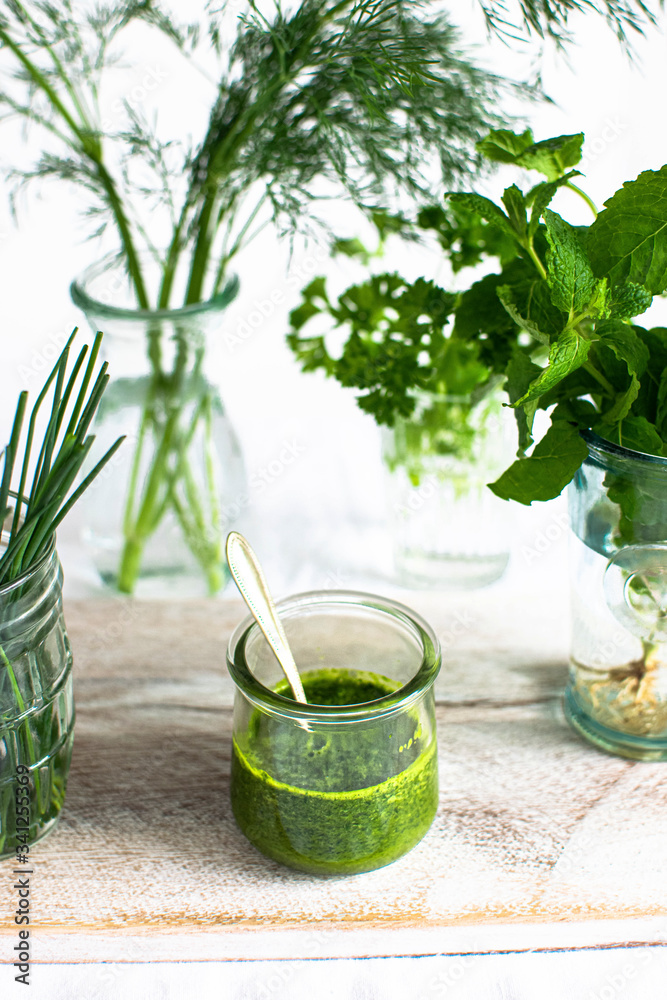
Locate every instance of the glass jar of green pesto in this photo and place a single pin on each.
(349, 782)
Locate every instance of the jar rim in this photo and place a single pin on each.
(620, 451)
(477, 395)
(19, 581)
(88, 304)
(389, 704)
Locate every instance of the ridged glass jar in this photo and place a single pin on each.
(617, 692)
(449, 530)
(36, 705)
(349, 782)
(156, 519)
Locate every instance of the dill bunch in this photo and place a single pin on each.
(372, 99)
(357, 97)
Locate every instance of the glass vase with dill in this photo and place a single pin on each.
(37, 490)
(398, 109)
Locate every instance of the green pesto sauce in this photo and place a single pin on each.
(336, 800)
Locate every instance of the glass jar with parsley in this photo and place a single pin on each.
(448, 529)
(348, 782)
(617, 692)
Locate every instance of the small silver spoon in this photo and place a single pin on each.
(250, 580)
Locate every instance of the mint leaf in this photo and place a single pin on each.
(479, 311)
(629, 300)
(532, 299)
(656, 341)
(569, 272)
(504, 146)
(628, 240)
(481, 316)
(466, 237)
(515, 204)
(521, 371)
(661, 409)
(579, 412)
(638, 434)
(552, 157)
(626, 345)
(506, 296)
(623, 403)
(567, 354)
(549, 469)
(540, 197)
(484, 207)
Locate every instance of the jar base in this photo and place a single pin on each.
(420, 569)
(176, 584)
(645, 748)
(333, 869)
(44, 832)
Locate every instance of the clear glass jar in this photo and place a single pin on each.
(449, 530)
(155, 519)
(617, 691)
(349, 782)
(36, 705)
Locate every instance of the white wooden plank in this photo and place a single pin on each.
(540, 841)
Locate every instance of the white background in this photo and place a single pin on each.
(322, 520)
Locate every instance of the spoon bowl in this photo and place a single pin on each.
(249, 578)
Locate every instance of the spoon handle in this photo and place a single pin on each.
(250, 580)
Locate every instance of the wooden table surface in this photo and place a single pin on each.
(540, 842)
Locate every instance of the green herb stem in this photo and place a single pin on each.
(125, 233)
(25, 725)
(582, 194)
(536, 261)
(41, 82)
(599, 377)
(202, 250)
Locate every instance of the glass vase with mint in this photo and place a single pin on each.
(42, 463)
(398, 109)
(578, 291)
